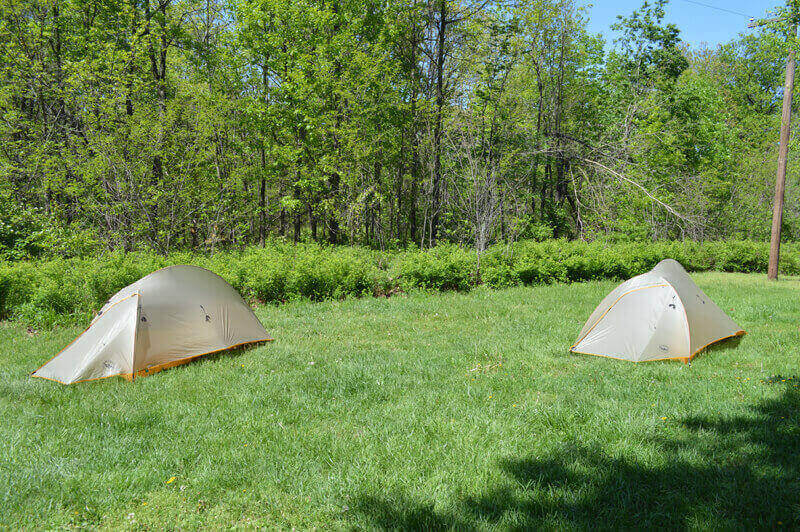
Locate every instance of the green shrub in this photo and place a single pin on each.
(497, 268)
(445, 267)
(264, 280)
(16, 286)
(51, 291)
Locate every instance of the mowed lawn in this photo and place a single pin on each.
(431, 411)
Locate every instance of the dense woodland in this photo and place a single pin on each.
(217, 124)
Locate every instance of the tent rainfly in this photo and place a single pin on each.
(164, 319)
(659, 315)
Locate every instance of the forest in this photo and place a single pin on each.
(203, 125)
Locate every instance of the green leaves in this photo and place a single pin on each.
(650, 49)
(196, 125)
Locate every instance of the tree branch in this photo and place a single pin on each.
(643, 189)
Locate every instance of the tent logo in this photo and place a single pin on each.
(664, 348)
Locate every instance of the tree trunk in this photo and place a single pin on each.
(537, 147)
(334, 233)
(412, 199)
(262, 202)
(312, 222)
(298, 223)
(262, 192)
(437, 128)
(397, 222)
(158, 70)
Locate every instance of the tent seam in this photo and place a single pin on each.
(579, 340)
(686, 321)
(75, 340)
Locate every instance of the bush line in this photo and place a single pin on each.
(48, 292)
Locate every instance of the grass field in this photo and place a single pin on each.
(438, 411)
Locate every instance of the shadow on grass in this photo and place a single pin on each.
(211, 358)
(739, 472)
(233, 352)
(725, 344)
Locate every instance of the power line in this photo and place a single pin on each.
(695, 2)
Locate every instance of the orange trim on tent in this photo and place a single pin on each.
(153, 369)
(626, 359)
(172, 363)
(741, 332)
(609, 310)
(126, 376)
(75, 340)
(685, 359)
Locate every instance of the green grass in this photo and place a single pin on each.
(437, 411)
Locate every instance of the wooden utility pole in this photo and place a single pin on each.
(783, 149)
(780, 178)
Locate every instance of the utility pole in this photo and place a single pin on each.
(783, 149)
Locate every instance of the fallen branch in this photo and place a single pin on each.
(647, 192)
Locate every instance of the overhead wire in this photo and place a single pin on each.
(695, 2)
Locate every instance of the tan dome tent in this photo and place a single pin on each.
(164, 319)
(658, 315)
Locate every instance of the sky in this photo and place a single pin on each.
(698, 23)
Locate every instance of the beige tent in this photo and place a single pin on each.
(164, 319)
(658, 315)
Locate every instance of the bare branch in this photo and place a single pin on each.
(643, 189)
